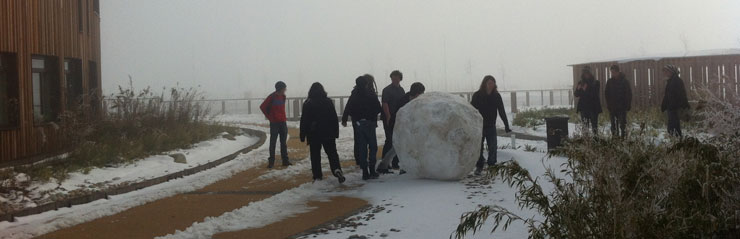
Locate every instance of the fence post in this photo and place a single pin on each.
(223, 107)
(341, 105)
(570, 97)
(249, 107)
(527, 94)
(513, 102)
(552, 98)
(296, 112)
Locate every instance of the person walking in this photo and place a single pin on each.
(274, 109)
(589, 99)
(363, 106)
(674, 99)
(489, 103)
(416, 90)
(320, 127)
(390, 98)
(618, 94)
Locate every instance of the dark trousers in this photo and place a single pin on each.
(367, 144)
(619, 123)
(330, 147)
(388, 128)
(674, 123)
(489, 136)
(279, 129)
(590, 119)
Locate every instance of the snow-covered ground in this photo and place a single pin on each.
(413, 208)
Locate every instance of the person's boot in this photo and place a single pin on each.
(478, 171)
(270, 163)
(383, 170)
(373, 174)
(340, 176)
(286, 162)
(365, 174)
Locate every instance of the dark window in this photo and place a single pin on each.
(45, 81)
(9, 111)
(79, 15)
(94, 87)
(73, 77)
(96, 6)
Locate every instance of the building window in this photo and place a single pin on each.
(94, 87)
(73, 77)
(9, 111)
(45, 81)
(79, 15)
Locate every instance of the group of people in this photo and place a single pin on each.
(618, 96)
(319, 125)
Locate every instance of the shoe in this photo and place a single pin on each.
(270, 164)
(401, 172)
(340, 176)
(287, 163)
(384, 171)
(365, 174)
(478, 171)
(318, 179)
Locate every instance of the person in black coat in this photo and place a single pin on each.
(363, 106)
(618, 94)
(320, 127)
(589, 99)
(674, 100)
(489, 103)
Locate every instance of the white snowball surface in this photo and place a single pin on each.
(438, 136)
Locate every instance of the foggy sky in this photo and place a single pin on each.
(239, 48)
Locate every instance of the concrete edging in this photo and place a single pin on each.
(103, 194)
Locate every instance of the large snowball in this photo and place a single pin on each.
(438, 136)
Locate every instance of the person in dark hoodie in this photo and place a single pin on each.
(416, 90)
(489, 103)
(363, 106)
(274, 109)
(320, 127)
(618, 94)
(391, 95)
(589, 99)
(674, 100)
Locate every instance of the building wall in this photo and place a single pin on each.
(719, 73)
(52, 28)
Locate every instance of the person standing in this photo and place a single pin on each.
(390, 98)
(274, 109)
(416, 90)
(589, 99)
(618, 94)
(320, 127)
(363, 106)
(674, 100)
(489, 103)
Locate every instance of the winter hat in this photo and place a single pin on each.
(417, 88)
(586, 69)
(397, 73)
(672, 69)
(614, 67)
(280, 86)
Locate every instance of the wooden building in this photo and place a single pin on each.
(717, 69)
(49, 63)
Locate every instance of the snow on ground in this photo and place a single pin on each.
(35, 225)
(413, 208)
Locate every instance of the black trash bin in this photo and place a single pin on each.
(557, 130)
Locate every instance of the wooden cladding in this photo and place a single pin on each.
(65, 36)
(720, 73)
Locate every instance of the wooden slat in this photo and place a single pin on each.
(45, 28)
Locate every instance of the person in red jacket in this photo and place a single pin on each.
(274, 109)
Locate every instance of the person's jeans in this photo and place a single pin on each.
(590, 119)
(489, 136)
(367, 144)
(330, 147)
(619, 118)
(388, 128)
(674, 123)
(279, 129)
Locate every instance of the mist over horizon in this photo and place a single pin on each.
(238, 49)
